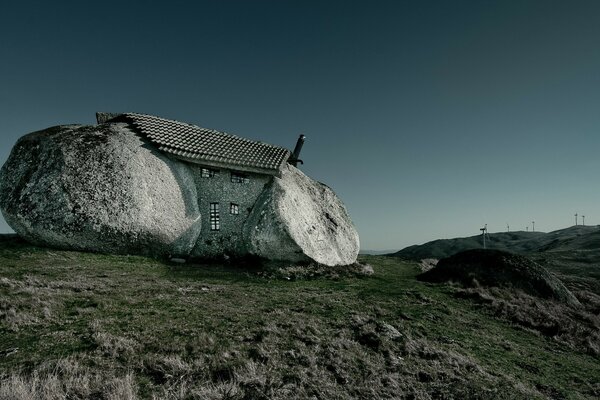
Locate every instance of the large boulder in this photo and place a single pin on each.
(301, 220)
(98, 188)
(497, 268)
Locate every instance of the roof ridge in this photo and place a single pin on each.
(197, 144)
(207, 129)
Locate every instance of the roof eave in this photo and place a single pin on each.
(234, 167)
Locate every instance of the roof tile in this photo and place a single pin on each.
(201, 144)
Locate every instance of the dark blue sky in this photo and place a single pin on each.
(429, 118)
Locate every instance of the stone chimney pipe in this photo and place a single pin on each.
(294, 160)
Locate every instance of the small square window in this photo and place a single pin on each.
(236, 177)
(208, 172)
(234, 209)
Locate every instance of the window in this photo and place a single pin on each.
(207, 172)
(236, 177)
(234, 209)
(215, 224)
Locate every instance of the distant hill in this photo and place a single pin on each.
(572, 238)
(377, 252)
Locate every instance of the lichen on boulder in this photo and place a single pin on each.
(98, 188)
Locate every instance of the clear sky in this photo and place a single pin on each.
(428, 118)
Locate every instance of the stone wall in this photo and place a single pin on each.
(219, 188)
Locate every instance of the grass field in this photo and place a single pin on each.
(82, 325)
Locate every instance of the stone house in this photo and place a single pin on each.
(229, 172)
(140, 184)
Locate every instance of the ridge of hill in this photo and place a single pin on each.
(572, 238)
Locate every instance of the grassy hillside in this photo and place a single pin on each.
(89, 325)
(572, 238)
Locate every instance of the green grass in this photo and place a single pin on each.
(88, 325)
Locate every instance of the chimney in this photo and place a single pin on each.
(104, 117)
(294, 160)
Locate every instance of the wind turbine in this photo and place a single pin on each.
(533, 226)
(507, 228)
(483, 233)
(583, 220)
(575, 219)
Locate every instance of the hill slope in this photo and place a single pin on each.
(572, 238)
(83, 325)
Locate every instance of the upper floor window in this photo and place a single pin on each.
(237, 177)
(234, 209)
(208, 172)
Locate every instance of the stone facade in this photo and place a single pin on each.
(216, 186)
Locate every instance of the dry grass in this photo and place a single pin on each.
(577, 327)
(279, 270)
(67, 379)
(296, 359)
(78, 326)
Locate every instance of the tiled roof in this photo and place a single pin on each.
(207, 146)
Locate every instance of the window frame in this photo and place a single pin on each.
(238, 177)
(234, 209)
(214, 217)
(208, 172)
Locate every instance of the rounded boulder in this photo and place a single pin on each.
(301, 220)
(98, 188)
(497, 268)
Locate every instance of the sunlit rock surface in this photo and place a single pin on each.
(299, 219)
(98, 188)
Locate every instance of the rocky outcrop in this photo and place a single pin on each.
(498, 268)
(299, 219)
(98, 188)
